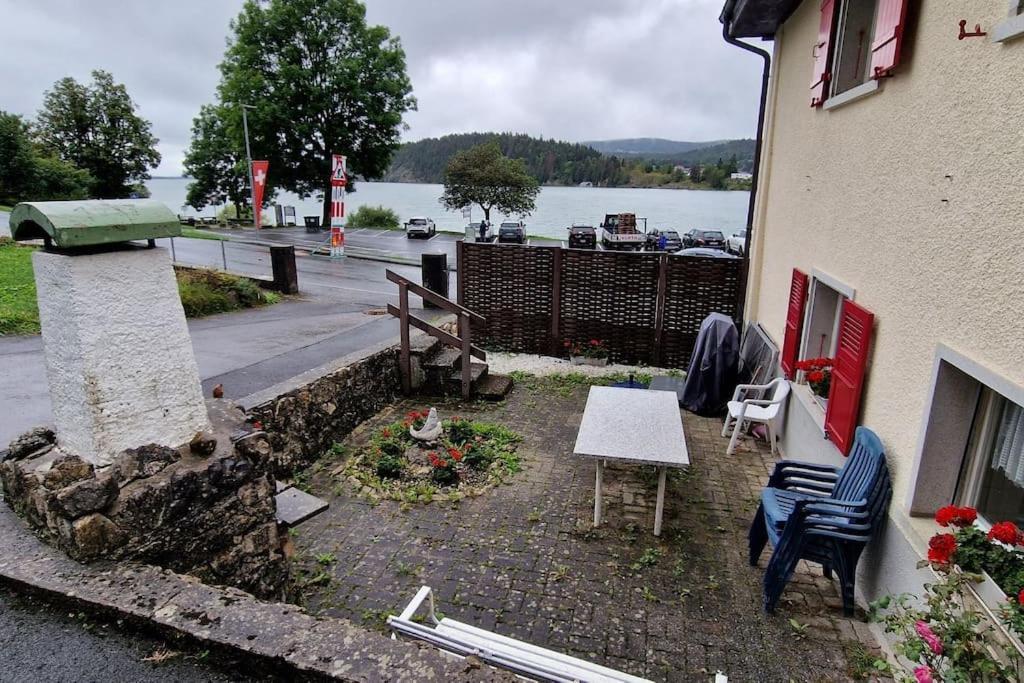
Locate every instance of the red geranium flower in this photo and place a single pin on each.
(386, 433)
(956, 516)
(1020, 597)
(594, 342)
(941, 548)
(455, 454)
(815, 376)
(1005, 532)
(567, 344)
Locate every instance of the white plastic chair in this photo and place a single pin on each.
(749, 410)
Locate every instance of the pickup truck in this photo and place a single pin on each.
(618, 231)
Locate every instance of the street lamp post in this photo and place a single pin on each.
(248, 160)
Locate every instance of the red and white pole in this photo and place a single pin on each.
(338, 182)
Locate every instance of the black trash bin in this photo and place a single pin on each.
(434, 275)
(312, 223)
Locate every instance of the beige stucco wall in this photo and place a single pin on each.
(914, 196)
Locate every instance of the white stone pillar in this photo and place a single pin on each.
(119, 358)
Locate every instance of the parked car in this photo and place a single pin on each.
(582, 237)
(618, 231)
(420, 226)
(512, 231)
(734, 245)
(672, 241)
(704, 251)
(699, 237)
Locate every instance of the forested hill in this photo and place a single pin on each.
(551, 162)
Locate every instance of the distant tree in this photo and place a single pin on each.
(484, 176)
(374, 217)
(696, 173)
(17, 158)
(96, 128)
(321, 81)
(733, 166)
(216, 162)
(26, 175)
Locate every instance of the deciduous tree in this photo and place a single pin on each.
(26, 175)
(96, 128)
(216, 163)
(484, 176)
(320, 81)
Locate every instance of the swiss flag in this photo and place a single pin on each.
(259, 182)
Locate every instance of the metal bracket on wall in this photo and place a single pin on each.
(977, 33)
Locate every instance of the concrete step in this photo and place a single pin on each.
(446, 358)
(493, 387)
(477, 371)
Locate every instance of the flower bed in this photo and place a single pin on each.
(945, 638)
(469, 457)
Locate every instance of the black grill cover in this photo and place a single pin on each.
(712, 375)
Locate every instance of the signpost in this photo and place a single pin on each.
(338, 182)
(259, 182)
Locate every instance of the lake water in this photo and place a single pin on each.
(557, 207)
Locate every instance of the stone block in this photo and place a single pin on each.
(31, 443)
(89, 495)
(66, 470)
(203, 444)
(143, 462)
(119, 358)
(93, 536)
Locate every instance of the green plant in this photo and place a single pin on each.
(444, 471)
(390, 466)
(799, 630)
(374, 217)
(648, 558)
(325, 559)
(595, 348)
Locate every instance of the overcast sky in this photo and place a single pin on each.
(569, 69)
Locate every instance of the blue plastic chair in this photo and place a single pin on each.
(822, 514)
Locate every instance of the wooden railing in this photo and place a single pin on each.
(461, 341)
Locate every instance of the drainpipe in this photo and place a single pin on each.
(766, 72)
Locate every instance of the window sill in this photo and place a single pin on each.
(810, 404)
(1008, 30)
(854, 94)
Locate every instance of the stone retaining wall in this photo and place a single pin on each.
(304, 417)
(206, 508)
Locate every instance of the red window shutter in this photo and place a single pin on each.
(821, 52)
(848, 375)
(794, 322)
(888, 39)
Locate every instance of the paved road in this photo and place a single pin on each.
(41, 643)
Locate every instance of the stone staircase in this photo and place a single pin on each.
(437, 371)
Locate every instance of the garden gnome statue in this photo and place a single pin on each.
(431, 429)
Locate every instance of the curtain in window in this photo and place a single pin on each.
(1008, 449)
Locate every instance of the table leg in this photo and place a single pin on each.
(597, 493)
(660, 506)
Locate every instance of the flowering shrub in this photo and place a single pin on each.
(444, 471)
(944, 639)
(594, 348)
(818, 373)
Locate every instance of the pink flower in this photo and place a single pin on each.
(928, 636)
(923, 674)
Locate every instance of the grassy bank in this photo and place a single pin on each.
(203, 292)
(201, 234)
(6, 208)
(18, 312)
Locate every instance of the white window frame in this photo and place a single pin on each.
(820, 278)
(1013, 26)
(862, 88)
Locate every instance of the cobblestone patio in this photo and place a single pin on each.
(523, 560)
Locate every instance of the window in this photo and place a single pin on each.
(824, 306)
(1013, 27)
(858, 43)
(851, 64)
(992, 474)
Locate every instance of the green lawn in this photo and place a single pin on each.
(203, 292)
(6, 208)
(201, 234)
(18, 312)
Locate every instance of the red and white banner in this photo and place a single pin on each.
(259, 182)
(338, 182)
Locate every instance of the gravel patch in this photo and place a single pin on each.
(504, 363)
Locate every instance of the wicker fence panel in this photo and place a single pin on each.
(511, 286)
(694, 287)
(613, 297)
(647, 308)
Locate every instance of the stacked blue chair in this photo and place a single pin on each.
(822, 514)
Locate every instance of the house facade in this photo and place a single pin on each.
(888, 234)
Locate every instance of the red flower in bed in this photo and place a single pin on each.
(941, 548)
(1005, 532)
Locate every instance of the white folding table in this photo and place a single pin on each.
(637, 426)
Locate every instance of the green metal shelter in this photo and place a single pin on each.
(67, 225)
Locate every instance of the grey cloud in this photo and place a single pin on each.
(572, 69)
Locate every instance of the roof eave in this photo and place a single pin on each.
(756, 18)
